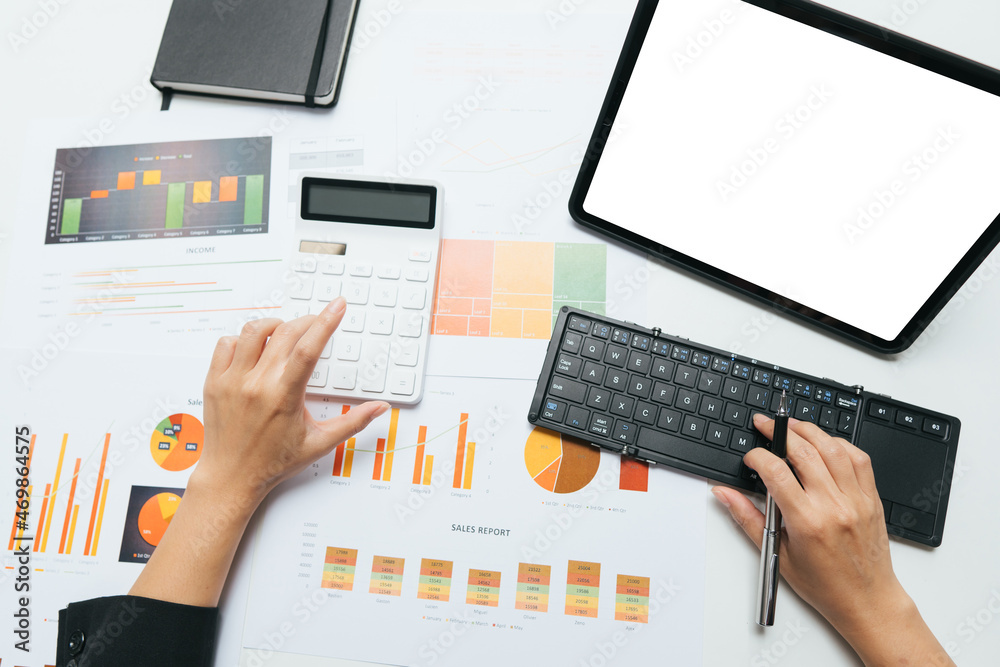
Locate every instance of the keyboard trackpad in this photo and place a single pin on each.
(907, 466)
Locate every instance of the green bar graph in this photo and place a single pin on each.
(253, 212)
(71, 216)
(176, 192)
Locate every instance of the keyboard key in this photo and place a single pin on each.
(601, 330)
(686, 400)
(577, 417)
(806, 411)
(693, 427)
(592, 372)
(625, 432)
(373, 370)
(639, 362)
(301, 289)
(663, 393)
(742, 371)
(599, 399)
(686, 376)
(828, 418)
(660, 347)
(675, 447)
(414, 297)
(593, 349)
(804, 389)
(845, 423)
(734, 390)
(824, 395)
(348, 348)
(847, 402)
(567, 365)
(333, 267)
(380, 323)
(572, 342)
(736, 414)
(327, 289)
(742, 441)
(905, 418)
(717, 434)
(762, 376)
(617, 380)
(616, 356)
(670, 420)
(620, 336)
(304, 264)
(879, 411)
(354, 321)
(384, 296)
(360, 269)
(645, 412)
(319, 375)
(935, 427)
(568, 389)
(356, 293)
(401, 382)
(639, 385)
(757, 397)
(553, 410)
(388, 272)
(662, 369)
(711, 407)
(344, 377)
(416, 274)
(721, 365)
(622, 405)
(710, 383)
(420, 256)
(640, 342)
(411, 326)
(776, 401)
(783, 383)
(680, 353)
(578, 324)
(700, 359)
(407, 352)
(600, 425)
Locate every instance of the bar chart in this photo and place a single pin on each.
(514, 289)
(583, 585)
(338, 568)
(483, 589)
(145, 191)
(435, 579)
(387, 576)
(533, 587)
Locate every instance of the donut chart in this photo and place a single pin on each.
(155, 516)
(560, 464)
(176, 442)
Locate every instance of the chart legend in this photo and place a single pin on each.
(177, 442)
(632, 599)
(583, 582)
(533, 587)
(146, 191)
(387, 576)
(435, 580)
(338, 568)
(484, 588)
(559, 463)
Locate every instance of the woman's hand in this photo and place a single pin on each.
(834, 549)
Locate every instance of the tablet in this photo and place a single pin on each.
(839, 172)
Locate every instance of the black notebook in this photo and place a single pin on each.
(259, 49)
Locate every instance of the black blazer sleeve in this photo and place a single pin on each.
(129, 630)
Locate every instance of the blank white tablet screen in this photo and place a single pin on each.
(816, 168)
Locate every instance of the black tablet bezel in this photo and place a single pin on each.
(848, 27)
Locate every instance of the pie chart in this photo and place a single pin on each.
(559, 463)
(176, 442)
(155, 516)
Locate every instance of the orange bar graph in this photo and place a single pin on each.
(338, 458)
(72, 529)
(126, 180)
(55, 492)
(13, 528)
(419, 461)
(98, 194)
(93, 507)
(428, 470)
(348, 458)
(470, 455)
(202, 192)
(227, 188)
(379, 455)
(390, 445)
(69, 507)
(100, 517)
(460, 452)
(41, 522)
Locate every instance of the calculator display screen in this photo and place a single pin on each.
(386, 204)
(320, 248)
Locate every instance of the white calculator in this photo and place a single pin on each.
(376, 242)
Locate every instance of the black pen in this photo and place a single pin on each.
(768, 589)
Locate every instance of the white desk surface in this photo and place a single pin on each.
(86, 55)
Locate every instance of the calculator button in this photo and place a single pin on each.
(401, 383)
(935, 427)
(356, 293)
(299, 309)
(373, 370)
(361, 269)
(328, 350)
(420, 255)
(354, 321)
(387, 272)
(413, 326)
(305, 264)
(344, 377)
(333, 267)
(414, 297)
(384, 295)
(319, 375)
(327, 289)
(380, 323)
(302, 289)
(417, 274)
(408, 353)
(348, 348)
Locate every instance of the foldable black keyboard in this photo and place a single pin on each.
(667, 400)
